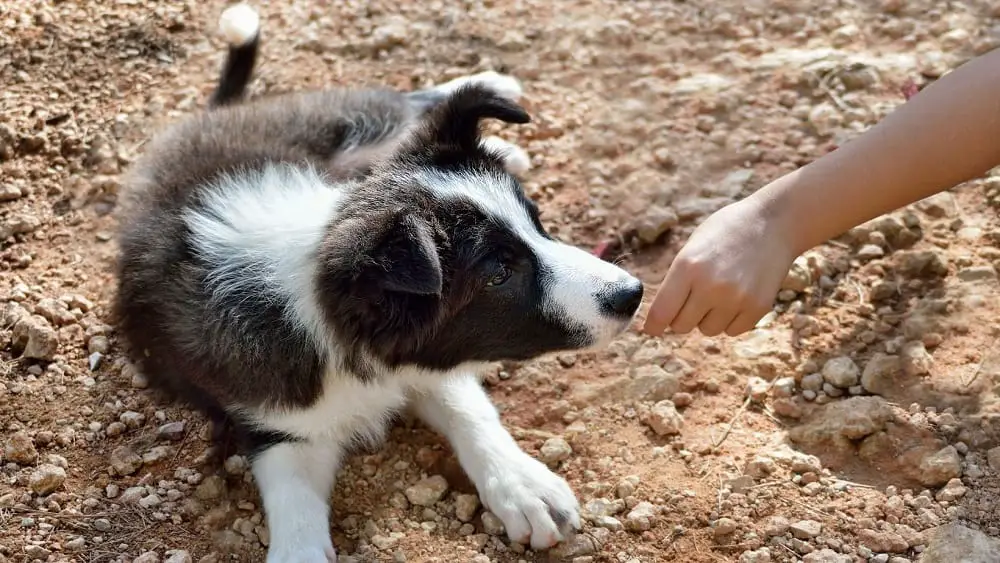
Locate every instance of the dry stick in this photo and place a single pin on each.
(979, 366)
(732, 422)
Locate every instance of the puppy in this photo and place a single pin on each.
(305, 266)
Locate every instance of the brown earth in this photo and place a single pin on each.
(648, 115)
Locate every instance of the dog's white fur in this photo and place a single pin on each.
(239, 24)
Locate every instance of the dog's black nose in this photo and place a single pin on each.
(623, 299)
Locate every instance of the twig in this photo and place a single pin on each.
(732, 422)
(979, 366)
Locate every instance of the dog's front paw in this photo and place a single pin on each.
(301, 554)
(535, 505)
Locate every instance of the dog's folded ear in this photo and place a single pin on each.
(393, 251)
(455, 122)
(408, 257)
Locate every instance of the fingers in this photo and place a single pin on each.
(669, 299)
(745, 321)
(716, 321)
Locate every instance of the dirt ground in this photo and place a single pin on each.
(857, 423)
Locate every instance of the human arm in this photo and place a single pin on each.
(726, 276)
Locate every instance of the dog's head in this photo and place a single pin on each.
(439, 258)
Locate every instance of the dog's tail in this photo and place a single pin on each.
(240, 25)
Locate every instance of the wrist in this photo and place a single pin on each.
(776, 207)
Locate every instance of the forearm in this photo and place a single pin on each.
(945, 135)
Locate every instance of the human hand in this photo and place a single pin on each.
(727, 275)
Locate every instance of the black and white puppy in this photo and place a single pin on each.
(305, 266)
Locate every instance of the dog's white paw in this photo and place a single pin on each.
(515, 159)
(302, 554)
(502, 84)
(536, 506)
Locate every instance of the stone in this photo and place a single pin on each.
(812, 382)
(213, 487)
(664, 419)
(156, 454)
(147, 557)
(46, 479)
(132, 419)
(993, 458)
(466, 507)
(640, 518)
(977, 273)
(955, 543)
(921, 264)
(880, 373)
(235, 465)
(826, 555)
(178, 556)
(554, 450)
(657, 220)
(940, 467)
(776, 526)
(762, 555)
(806, 529)
(652, 383)
(173, 431)
(870, 252)
(724, 527)
(841, 372)
(799, 276)
(882, 541)
(839, 423)
(953, 490)
(915, 359)
(491, 524)
(76, 544)
(38, 340)
(20, 448)
(757, 389)
(428, 491)
(125, 461)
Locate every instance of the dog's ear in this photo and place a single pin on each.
(392, 250)
(407, 257)
(455, 122)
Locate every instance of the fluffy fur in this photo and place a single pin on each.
(303, 267)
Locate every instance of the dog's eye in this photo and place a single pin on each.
(500, 277)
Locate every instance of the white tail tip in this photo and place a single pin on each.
(515, 159)
(239, 24)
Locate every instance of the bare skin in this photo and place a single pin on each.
(726, 276)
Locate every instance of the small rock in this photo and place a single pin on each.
(955, 543)
(150, 501)
(922, 264)
(132, 495)
(977, 273)
(178, 556)
(799, 276)
(757, 389)
(664, 419)
(882, 541)
(491, 524)
(20, 448)
(39, 340)
(841, 372)
(953, 490)
(235, 465)
(125, 461)
(806, 529)
(211, 488)
(427, 491)
(776, 526)
(47, 478)
(658, 220)
(915, 359)
(870, 252)
(172, 431)
(993, 457)
(826, 555)
(880, 373)
(466, 507)
(132, 419)
(812, 382)
(555, 450)
(76, 544)
(724, 527)
(102, 524)
(156, 454)
(640, 518)
(148, 557)
(940, 467)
